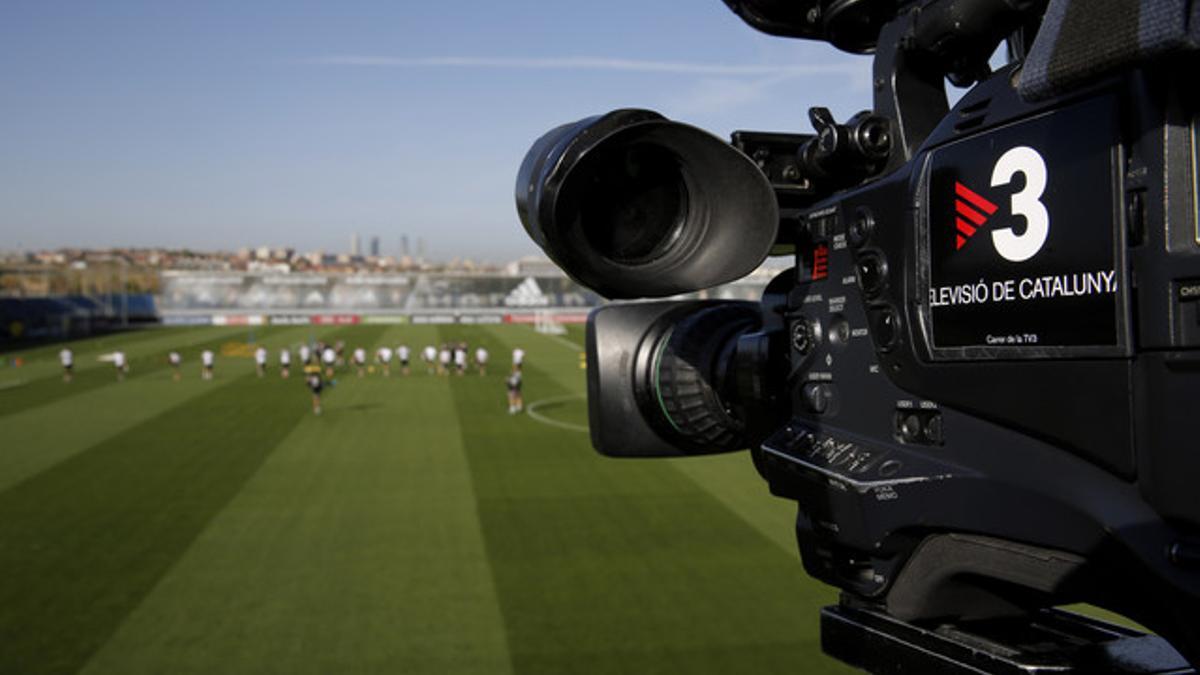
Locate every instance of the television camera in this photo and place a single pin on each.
(979, 377)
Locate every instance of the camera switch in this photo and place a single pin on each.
(820, 228)
(1135, 216)
(800, 442)
(819, 397)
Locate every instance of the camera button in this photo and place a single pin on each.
(861, 228)
(933, 429)
(890, 468)
(885, 325)
(872, 272)
(1184, 554)
(805, 334)
(839, 331)
(910, 428)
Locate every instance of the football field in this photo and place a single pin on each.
(161, 526)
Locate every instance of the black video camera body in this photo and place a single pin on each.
(978, 379)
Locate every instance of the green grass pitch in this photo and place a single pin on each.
(155, 526)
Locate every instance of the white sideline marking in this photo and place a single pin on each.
(11, 384)
(562, 341)
(531, 410)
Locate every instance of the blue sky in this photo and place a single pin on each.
(227, 124)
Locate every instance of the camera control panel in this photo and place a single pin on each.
(839, 321)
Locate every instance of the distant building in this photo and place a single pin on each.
(375, 246)
(355, 245)
(533, 266)
(268, 267)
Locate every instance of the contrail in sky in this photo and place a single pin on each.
(586, 63)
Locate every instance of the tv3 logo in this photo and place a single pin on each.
(973, 210)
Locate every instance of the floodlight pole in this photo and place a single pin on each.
(124, 293)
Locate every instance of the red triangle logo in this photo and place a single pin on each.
(973, 211)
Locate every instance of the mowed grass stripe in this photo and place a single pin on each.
(40, 437)
(82, 543)
(43, 359)
(354, 549)
(147, 357)
(43, 362)
(606, 566)
(731, 478)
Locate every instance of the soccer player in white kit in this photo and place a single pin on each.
(460, 358)
(430, 356)
(481, 357)
(402, 355)
(174, 359)
(518, 357)
(384, 356)
(305, 354)
(67, 359)
(360, 360)
(444, 360)
(285, 362)
(206, 364)
(260, 361)
(329, 357)
(121, 364)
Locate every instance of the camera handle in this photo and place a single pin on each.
(924, 45)
(1047, 641)
(908, 89)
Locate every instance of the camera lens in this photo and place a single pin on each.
(631, 204)
(636, 206)
(666, 379)
(684, 388)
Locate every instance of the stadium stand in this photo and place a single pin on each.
(63, 317)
